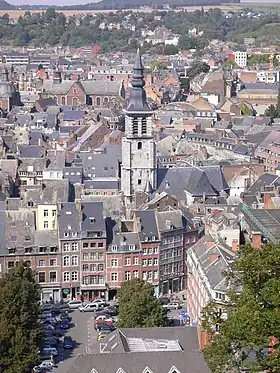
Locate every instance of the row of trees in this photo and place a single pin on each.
(20, 331)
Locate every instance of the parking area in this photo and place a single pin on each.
(84, 338)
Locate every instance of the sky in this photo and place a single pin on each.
(49, 2)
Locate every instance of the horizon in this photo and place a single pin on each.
(50, 2)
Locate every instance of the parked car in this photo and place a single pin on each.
(164, 300)
(104, 326)
(104, 318)
(112, 310)
(51, 341)
(101, 302)
(48, 326)
(75, 304)
(50, 320)
(172, 306)
(90, 307)
(65, 324)
(42, 369)
(50, 350)
(67, 343)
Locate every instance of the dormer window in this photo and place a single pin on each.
(42, 249)
(12, 250)
(131, 247)
(92, 220)
(153, 238)
(114, 247)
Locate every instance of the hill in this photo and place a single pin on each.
(6, 6)
(132, 4)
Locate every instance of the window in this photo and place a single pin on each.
(66, 260)
(53, 224)
(100, 244)
(155, 261)
(46, 225)
(74, 260)
(150, 262)
(46, 213)
(136, 260)
(41, 277)
(42, 249)
(75, 246)
(144, 262)
(127, 261)
(100, 256)
(135, 126)
(66, 276)
(114, 247)
(52, 276)
(144, 274)
(100, 267)
(135, 274)
(144, 126)
(63, 100)
(127, 275)
(66, 246)
(11, 264)
(53, 213)
(155, 275)
(85, 267)
(150, 275)
(42, 263)
(74, 276)
(52, 262)
(114, 262)
(114, 277)
(98, 101)
(145, 251)
(85, 256)
(93, 244)
(139, 145)
(85, 245)
(139, 181)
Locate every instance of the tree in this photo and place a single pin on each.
(20, 331)
(138, 307)
(252, 327)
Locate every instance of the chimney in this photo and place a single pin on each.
(213, 257)
(256, 240)
(234, 245)
(210, 243)
(267, 201)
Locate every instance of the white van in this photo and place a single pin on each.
(74, 304)
(90, 307)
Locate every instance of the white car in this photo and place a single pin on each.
(90, 307)
(47, 364)
(75, 304)
(101, 302)
(105, 318)
(172, 306)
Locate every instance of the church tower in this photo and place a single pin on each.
(138, 145)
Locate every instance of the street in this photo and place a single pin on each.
(85, 337)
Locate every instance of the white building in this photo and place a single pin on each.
(240, 58)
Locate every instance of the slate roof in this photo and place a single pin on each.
(62, 88)
(102, 183)
(263, 180)
(175, 181)
(19, 228)
(188, 360)
(30, 151)
(93, 87)
(175, 217)
(92, 218)
(69, 220)
(148, 223)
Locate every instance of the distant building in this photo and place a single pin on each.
(240, 58)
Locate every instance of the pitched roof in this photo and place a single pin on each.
(93, 87)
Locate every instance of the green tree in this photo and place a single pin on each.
(253, 321)
(138, 307)
(20, 331)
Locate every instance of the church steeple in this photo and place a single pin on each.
(138, 99)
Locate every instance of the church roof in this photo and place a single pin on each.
(138, 99)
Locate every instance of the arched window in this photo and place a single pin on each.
(139, 145)
(75, 101)
(63, 100)
(66, 260)
(106, 101)
(98, 101)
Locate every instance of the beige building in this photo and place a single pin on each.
(46, 217)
